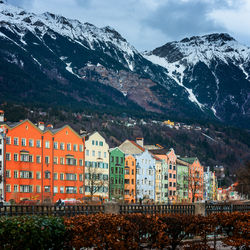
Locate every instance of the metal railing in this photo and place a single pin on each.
(218, 208)
(50, 210)
(157, 209)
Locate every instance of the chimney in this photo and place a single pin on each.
(49, 126)
(41, 125)
(140, 141)
(1, 116)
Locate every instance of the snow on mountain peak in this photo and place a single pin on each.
(85, 34)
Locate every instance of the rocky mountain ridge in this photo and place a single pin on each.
(199, 77)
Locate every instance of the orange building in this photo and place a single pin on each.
(130, 179)
(195, 181)
(43, 164)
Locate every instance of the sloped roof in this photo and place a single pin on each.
(189, 160)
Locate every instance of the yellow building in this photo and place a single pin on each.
(158, 179)
(168, 122)
(96, 166)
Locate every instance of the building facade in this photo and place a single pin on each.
(43, 164)
(116, 174)
(130, 179)
(172, 175)
(96, 166)
(182, 182)
(145, 176)
(158, 179)
(195, 181)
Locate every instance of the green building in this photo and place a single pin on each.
(116, 173)
(182, 181)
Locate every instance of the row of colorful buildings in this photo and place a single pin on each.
(43, 163)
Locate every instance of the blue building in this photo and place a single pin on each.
(145, 176)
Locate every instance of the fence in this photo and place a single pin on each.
(158, 209)
(17, 210)
(115, 208)
(218, 208)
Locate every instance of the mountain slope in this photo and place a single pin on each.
(214, 69)
(50, 59)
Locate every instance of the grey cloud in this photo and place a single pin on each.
(179, 19)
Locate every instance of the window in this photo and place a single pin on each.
(62, 146)
(55, 176)
(7, 173)
(15, 157)
(71, 161)
(47, 144)
(38, 189)
(23, 143)
(170, 175)
(38, 159)
(8, 157)
(126, 171)
(174, 167)
(68, 146)
(61, 160)
(15, 188)
(170, 166)
(46, 189)
(75, 147)
(80, 162)
(61, 177)
(105, 155)
(24, 157)
(26, 174)
(15, 174)
(26, 189)
(31, 143)
(46, 159)
(55, 145)
(80, 177)
(170, 184)
(16, 141)
(174, 184)
(47, 175)
(93, 152)
(70, 190)
(55, 160)
(30, 158)
(38, 175)
(165, 185)
(93, 142)
(174, 176)
(99, 154)
(55, 189)
(87, 152)
(96, 143)
(81, 148)
(101, 143)
(8, 140)
(170, 192)
(38, 143)
(132, 171)
(8, 188)
(71, 177)
(117, 160)
(61, 190)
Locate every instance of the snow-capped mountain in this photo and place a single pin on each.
(214, 69)
(49, 58)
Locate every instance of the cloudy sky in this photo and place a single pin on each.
(147, 24)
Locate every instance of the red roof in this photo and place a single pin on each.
(138, 146)
(1, 112)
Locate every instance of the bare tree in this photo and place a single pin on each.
(243, 179)
(195, 184)
(95, 180)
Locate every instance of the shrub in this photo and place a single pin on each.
(32, 232)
